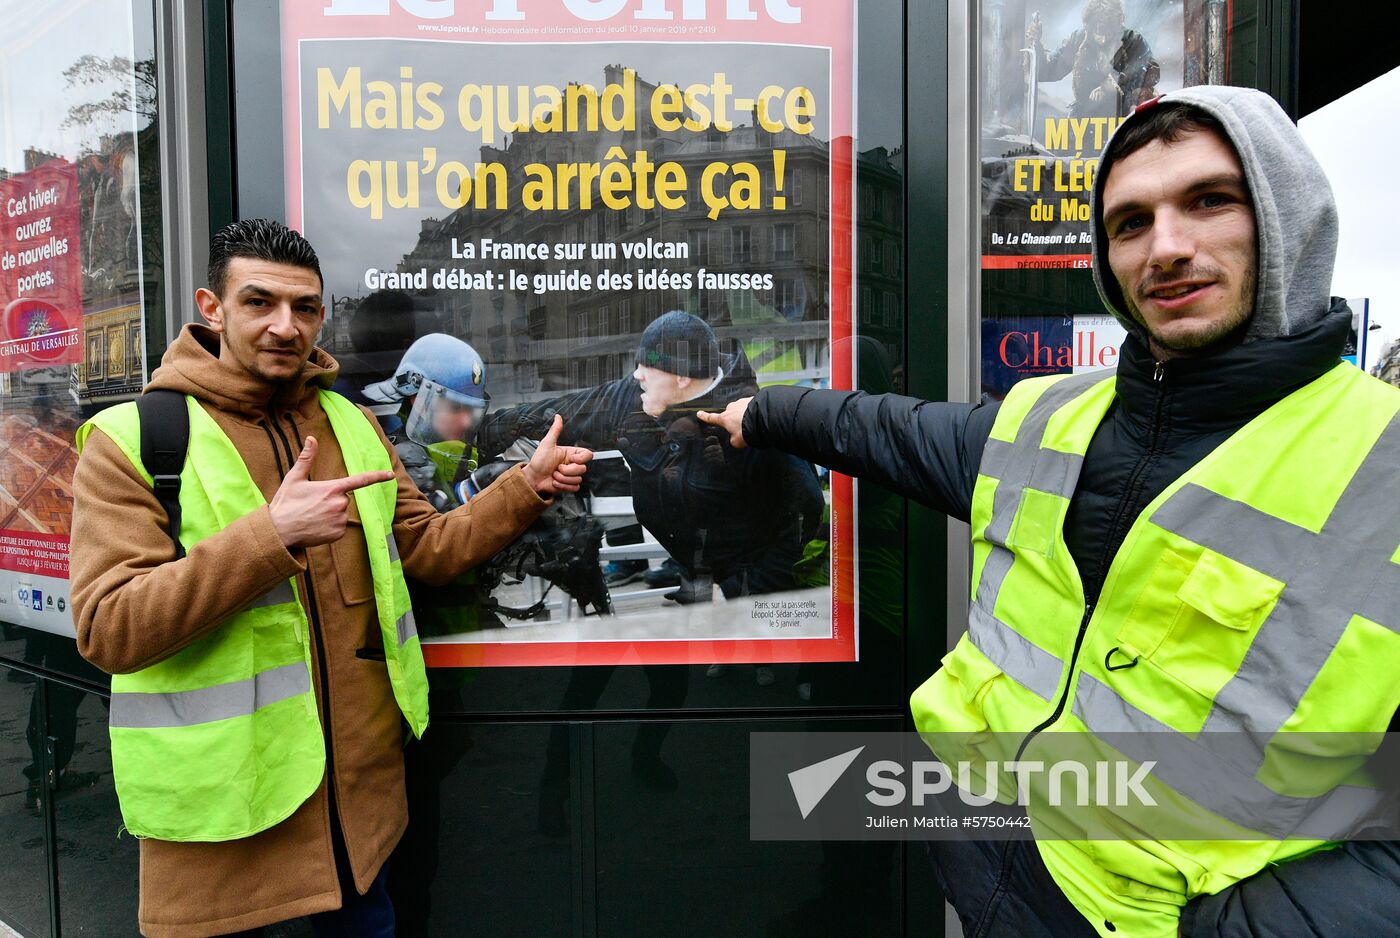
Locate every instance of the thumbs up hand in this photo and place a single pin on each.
(307, 513)
(554, 468)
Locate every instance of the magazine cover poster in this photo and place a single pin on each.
(1057, 77)
(1026, 346)
(620, 214)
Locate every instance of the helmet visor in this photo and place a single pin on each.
(440, 416)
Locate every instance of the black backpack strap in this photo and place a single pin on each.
(165, 439)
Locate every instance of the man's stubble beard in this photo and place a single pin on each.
(1221, 333)
(277, 382)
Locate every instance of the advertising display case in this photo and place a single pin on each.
(621, 213)
(629, 220)
(1054, 81)
(629, 213)
(79, 184)
(82, 292)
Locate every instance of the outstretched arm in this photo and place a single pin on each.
(591, 418)
(1056, 65)
(924, 450)
(437, 547)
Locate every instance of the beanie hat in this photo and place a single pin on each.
(681, 344)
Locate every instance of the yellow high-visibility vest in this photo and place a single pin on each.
(222, 740)
(1245, 640)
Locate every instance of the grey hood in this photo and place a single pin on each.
(1295, 214)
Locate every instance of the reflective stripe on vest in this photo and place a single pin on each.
(147, 710)
(404, 626)
(222, 739)
(279, 594)
(1023, 463)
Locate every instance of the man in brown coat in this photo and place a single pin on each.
(255, 370)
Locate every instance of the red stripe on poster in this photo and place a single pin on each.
(1037, 261)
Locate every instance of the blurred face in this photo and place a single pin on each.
(268, 317)
(453, 420)
(661, 389)
(1181, 241)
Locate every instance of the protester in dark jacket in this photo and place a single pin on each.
(738, 516)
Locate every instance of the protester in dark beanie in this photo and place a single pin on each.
(737, 518)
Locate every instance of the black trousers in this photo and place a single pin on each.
(1350, 890)
(1001, 887)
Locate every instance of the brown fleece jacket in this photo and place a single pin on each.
(135, 604)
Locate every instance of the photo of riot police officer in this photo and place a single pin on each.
(430, 409)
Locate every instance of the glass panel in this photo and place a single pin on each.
(828, 258)
(487, 851)
(24, 891)
(673, 846)
(52, 652)
(97, 863)
(81, 286)
(1056, 78)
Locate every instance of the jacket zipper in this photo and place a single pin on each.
(277, 458)
(1158, 377)
(314, 615)
(1134, 480)
(1064, 697)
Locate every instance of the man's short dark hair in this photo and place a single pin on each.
(260, 239)
(1167, 122)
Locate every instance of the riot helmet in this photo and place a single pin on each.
(446, 380)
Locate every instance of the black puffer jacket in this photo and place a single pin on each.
(1162, 422)
(741, 515)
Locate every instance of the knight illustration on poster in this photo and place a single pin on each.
(1057, 77)
(620, 214)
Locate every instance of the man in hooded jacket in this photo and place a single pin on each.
(1215, 235)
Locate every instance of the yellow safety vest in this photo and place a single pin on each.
(222, 739)
(1256, 599)
(770, 358)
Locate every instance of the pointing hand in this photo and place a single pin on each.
(307, 513)
(730, 420)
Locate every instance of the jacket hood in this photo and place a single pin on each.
(1295, 214)
(191, 365)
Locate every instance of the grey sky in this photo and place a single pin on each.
(1354, 138)
(39, 40)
